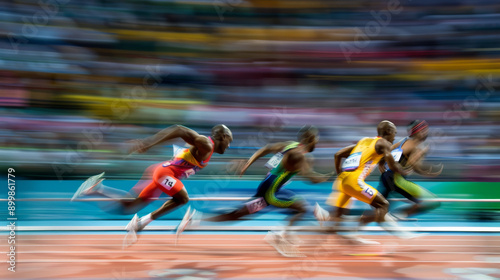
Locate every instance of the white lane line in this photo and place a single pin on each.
(257, 228)
(227, 251)
(249, 245)
(218, 261)
(257, 238)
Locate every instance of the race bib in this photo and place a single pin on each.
(274, 161)
(169, 182)
(396, 154)
(256, 205)
(369, 192)
(352, 162)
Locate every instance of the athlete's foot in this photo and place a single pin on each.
(197, 216)
(321, 214)
(401, 217)
(291, 237)
(408, 235)
(140, 226)
(90, 186)
(284, 247)
(353, 238)
(131, 229)
(186, 220)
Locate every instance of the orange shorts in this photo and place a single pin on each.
(163, 180)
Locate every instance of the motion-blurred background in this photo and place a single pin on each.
(80, 78)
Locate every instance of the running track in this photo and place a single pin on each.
(248, 256)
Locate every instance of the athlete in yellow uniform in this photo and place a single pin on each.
(361, 159)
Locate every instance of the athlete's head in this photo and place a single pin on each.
(418, 130)
(222, 137)
(387, 130)
(308, 136)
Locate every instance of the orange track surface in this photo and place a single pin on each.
(249, 257)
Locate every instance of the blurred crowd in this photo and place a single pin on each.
(80, 78)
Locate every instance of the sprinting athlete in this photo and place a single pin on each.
(289, 160)
(361, 159)
(408, 152)
(166, 176)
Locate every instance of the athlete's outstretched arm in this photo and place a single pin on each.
(269, 148)
(176, 131)
(427, 169)
(417, 155)
(313, 176)
(342, 153)
(384, 147)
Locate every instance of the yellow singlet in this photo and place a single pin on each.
(350, 183)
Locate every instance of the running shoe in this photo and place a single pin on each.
(88, 187)
(321, 214)
(186, 220)
(358, 240)
(131, 229)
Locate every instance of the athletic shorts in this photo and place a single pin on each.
(394, 182)
(270, 191)
(349, 184)
(163, 181)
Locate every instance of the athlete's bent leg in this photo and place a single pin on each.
(381, 206)
(125, 204)
(420, 208)
(178, 199)
(301, 207)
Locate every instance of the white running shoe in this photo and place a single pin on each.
(131, 229)
(283, 247)
(186, 220)
(89, 186)
(196, 219)
(408, 235)
(321, 214)
(291, 237)
(358, 240)
(133, 224)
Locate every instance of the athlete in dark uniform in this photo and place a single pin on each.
(408, 153)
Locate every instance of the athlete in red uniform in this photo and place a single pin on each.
(166, 176)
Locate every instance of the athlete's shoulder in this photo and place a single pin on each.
(365, 141)
(382, 141)
(287, 145)
(204, 143)
(410, 146)
(382, 145)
